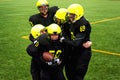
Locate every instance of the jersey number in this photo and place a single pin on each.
(82, 28)
(55, 53)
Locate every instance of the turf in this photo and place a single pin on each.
(105, 35)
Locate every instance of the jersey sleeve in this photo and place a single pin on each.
(53, 9)
(33, 51)
(33, 20)
(88, 32)
(77, 41)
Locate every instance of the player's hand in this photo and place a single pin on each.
(61, 39)
(57, 61)
(54, 62)
(87, 44)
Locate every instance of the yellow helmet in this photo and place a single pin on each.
(53, 29)
(61, 14)
(35, 31)
(76, 9)
(41, 2)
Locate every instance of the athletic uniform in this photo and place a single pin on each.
(49, 70)
(78, 57)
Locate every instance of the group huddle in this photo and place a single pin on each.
(60, 42)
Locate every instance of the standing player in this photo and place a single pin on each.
(45, 15)
(78, 31)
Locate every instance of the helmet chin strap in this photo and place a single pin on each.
(44, 15)
(73, 21)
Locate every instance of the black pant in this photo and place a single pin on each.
(35, 70)
(77, 64)
(41, 71)
(52, 73)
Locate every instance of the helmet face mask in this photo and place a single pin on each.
(59, 21)
(42, 6)
(72, 17)
(43, 9)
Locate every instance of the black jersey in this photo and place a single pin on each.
(44, 44)
(39, 19)
(77, 32)
(77, 54)
(54, 47)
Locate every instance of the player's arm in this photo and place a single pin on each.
(53, 9)
(32, 50)
(33, 20)
(87, 43)
(77, 41)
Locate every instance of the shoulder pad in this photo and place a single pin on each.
(53, 9)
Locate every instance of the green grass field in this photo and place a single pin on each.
(104, 16)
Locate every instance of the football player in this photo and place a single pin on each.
(49, 43)
(78, 30)
(45, 15)
(36, 31)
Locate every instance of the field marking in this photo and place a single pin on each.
(101, 21)
(101, 51)
(25, 37)
(106, 52)
(105, 20)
